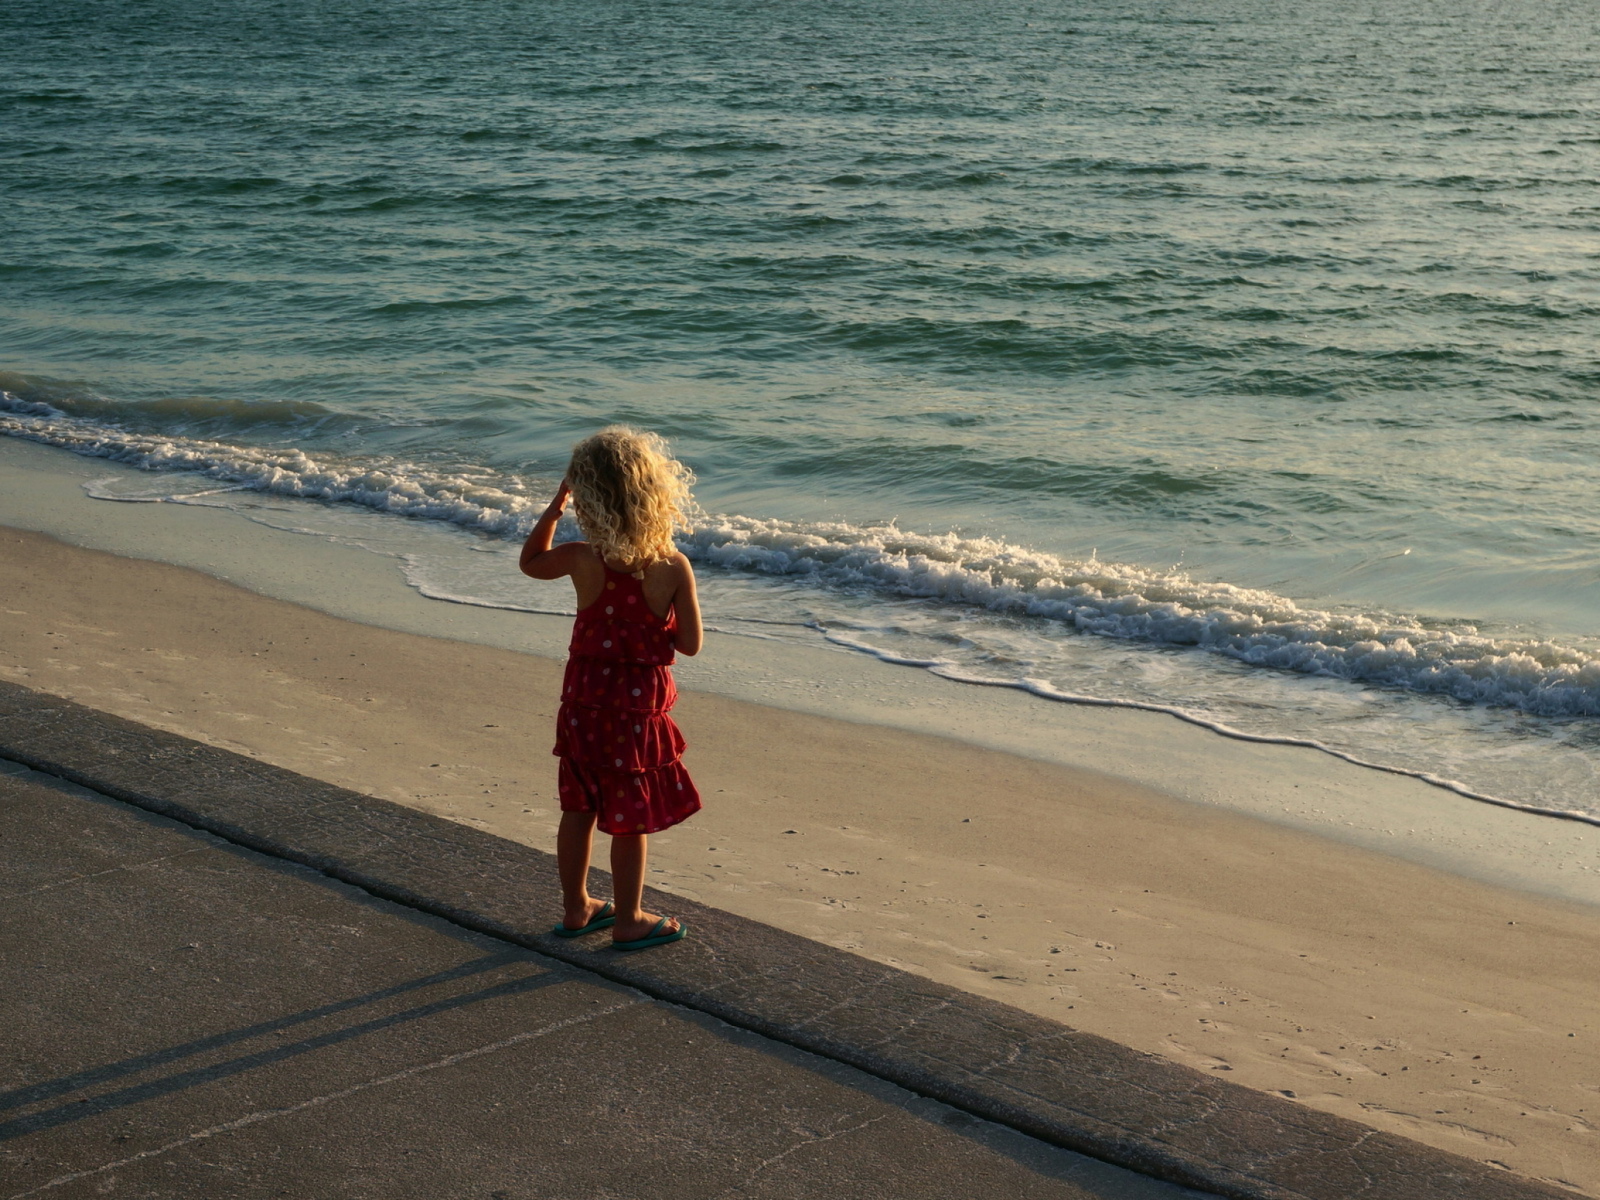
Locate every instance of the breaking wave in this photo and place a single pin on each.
(1111, 600)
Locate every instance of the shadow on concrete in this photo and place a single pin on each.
(95, 1105)
(49, 1089)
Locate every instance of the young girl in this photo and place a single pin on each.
(620, 751)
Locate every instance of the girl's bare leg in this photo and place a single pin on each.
(573, 841)
(627, 878)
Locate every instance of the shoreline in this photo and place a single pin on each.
(1426, 1004)
(360, 573)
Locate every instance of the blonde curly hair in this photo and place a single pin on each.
(629, 494)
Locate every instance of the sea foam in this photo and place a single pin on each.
(1111, 600)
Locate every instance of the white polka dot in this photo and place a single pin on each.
(680, 787)
(619, 762)
(605, 670)
(574, 720)
(609, 610)
(636, 729)
(635, 691)
(606, 644)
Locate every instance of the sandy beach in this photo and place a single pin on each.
(1438, 1007)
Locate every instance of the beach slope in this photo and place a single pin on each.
(1456, 1013)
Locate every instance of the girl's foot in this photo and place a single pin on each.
(591, 915)
(648, 930)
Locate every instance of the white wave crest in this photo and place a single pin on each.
(1248, 625)
(1167, 608)
(473, 497)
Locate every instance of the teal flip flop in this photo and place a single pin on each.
(606, 916)
(653, 938)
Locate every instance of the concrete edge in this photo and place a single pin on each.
(1069, 1088)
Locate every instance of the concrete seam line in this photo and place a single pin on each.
(739, 1188)
(1138, 1158)
(267, 1114)
(138, 866)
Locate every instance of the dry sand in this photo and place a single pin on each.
(1451, 1011)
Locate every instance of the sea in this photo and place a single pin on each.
(1233, 358)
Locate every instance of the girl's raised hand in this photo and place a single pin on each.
(538, 559)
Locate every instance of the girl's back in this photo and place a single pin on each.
(664, 582)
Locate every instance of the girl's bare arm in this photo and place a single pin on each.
(538, 559)
(690, 636)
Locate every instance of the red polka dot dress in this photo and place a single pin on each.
(620, 750)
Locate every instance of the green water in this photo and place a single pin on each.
(1238, 357)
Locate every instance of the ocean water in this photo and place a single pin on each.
(1236, 358)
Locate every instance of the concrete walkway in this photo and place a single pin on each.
(217, 998)
(186, 1018)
